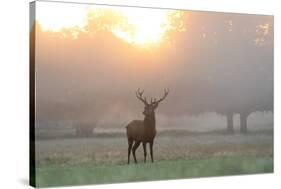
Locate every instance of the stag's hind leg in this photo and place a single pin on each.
(136, 145)
(130, 143)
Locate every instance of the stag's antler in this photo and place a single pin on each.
(166, 92)
(140, 97)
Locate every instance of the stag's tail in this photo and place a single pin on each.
(127, 132)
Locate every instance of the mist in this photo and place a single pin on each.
(222, 64)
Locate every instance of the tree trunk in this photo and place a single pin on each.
(84, 131)
(230, 128)
(78, 131)
(243, 123)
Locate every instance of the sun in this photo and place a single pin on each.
(147, 26)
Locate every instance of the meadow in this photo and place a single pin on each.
(178, 154)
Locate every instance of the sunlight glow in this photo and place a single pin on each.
(147, 26)
(262, 30)
(56, 16)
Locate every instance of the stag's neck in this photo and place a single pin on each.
(149, 121)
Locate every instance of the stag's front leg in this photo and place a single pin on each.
(136, 145)
(151, 150)
(144, 151)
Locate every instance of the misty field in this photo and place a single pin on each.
(177, 154)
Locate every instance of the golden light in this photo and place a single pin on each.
(148, 26)
(55, 16)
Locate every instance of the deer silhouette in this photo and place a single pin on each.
(143, 131)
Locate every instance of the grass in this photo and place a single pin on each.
(103, 159)
(58, 175)
(114, 149)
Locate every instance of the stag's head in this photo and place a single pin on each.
(149, 108)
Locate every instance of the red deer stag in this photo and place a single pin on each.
(143, 131)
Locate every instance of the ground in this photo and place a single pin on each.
(103, 158)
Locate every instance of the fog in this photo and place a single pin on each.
(222, 63)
